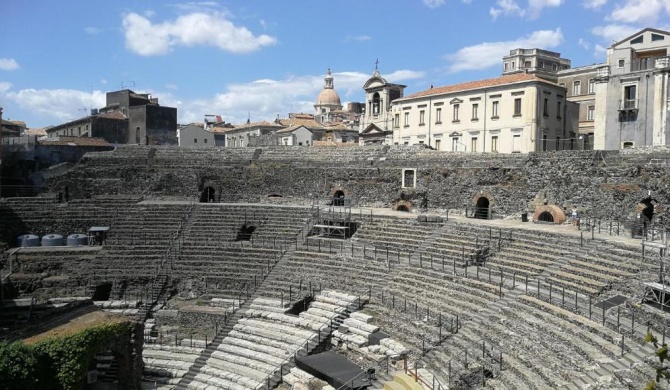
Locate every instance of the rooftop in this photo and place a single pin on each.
(73, 141)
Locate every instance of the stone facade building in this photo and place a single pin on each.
(580, 85)
(111, 126)
(543, 63)
(631, 91)
(239, 136)
(518, 113)
(376, 121)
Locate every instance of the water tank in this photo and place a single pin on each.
(77, 239)
(52, 240)
(28, 240)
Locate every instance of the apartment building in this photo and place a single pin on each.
(516, 113)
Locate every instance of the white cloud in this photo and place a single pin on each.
(60, 105)
(103, 81)
(531, 11)
(583, 43)
(359, 38)
(593, 4)
(433, 3)
(614, 32)
(265, 98)
(488, 54)
(640, 11)
(148, 39)
(171, 86)
(8, 64)
(92, 30)
(4, 86)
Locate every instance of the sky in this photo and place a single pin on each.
(258, 59)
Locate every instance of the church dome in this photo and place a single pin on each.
(328, 97)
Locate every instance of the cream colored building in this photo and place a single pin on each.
(517, 113)
(377, 118)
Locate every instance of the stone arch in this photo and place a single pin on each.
(403, 205)
(338, 198)
(483, 202)
(556, 213)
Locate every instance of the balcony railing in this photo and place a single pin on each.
(628, 104)
(603, 71)
(662, 62)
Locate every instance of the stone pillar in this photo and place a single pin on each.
(659, 109)
(601, 112)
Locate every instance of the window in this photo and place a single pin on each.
(558, 143)
(456, 109)
(621, 63)
(577, 88)
(396, 120)
(592, 86)
(554, 67)
(454, 144)
(473, 144)
(513, 65)
(494, 110)
(408, 178)
(195, 140)
(517, 107)
(516, 143)
(639, 39)
(422, 117)
(628, 145)
(205, 140)
(544, 142)
(494, 143)
(656, 37)
(541, 66)
(545, 107)
(475, 111)
(437, 144)
(407, 119)
(590, 113)
(558, 110)
(506, 65)
(438, 115)
(527, 64)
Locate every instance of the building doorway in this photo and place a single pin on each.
(208, 195)
(482, 209)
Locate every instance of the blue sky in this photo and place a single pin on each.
(263, 58)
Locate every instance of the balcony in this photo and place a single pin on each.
(603, 72)
(628, 105)
(663, 63)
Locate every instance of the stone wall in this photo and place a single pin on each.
(603, 184)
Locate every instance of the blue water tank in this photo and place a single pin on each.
(28, 240)
(52, 240)
(77, 239)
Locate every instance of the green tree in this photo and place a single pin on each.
(662, 369)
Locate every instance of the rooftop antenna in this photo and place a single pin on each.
(377, 64)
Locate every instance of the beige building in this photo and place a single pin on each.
(518, 113)
(580, 85)
(376, 120)
(238, 136)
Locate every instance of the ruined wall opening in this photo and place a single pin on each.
(647, 208)
(482, 209)
(403, 208)
(102, 291)
(545, 216)
(245, 232)
(338, 198)
(208, 195)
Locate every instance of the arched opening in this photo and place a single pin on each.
(648, 209)
(338, 198)
(545, 216)
(208, 195)
(403, 208)
(245, 232)
(271, 196)
(375, 103)
(482, 208)
(102, 292)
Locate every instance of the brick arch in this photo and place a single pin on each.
(483, 194)
(402, 202)
(555, 211)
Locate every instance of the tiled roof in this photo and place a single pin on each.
(73, 141)
(112, 115)
(38, 132)
(479, 84)
(256, 124)
(290, 129)
(309, 123)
